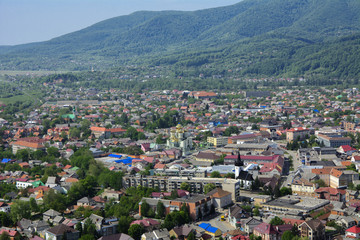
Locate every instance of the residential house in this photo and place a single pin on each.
(161, 234)
(346, 149)
(13, 234)
(104, 226)
(112, 194)
(50, 215)
(60, 232)
(221, 198)
(148, 224)
(4, 207)
(248, 225)
(303, 187)
(181, 232)
(119, 236)
(342, 178)
(266, 231)
(51, 182)
(346, 222)
(85, 201)
(235, 214)
(332, 194)
(353, 232)
(351, 195)
(313, 229)
(22, 183)
(31, 227)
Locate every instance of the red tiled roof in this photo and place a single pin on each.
(146, 222)
(117, 130)
(28, 144)
(336, 173)
(321, 171)
(354, 229)
(300, 129)
(293, 221)
(12, 233)
(98, 129)
(159, 166)
(332, 191)
(265, 228)
(347, 148)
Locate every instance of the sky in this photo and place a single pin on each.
(25, 21)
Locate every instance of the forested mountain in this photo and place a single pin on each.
(256, 37)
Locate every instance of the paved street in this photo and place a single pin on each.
(286, 180)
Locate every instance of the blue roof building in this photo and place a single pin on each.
(213, 231)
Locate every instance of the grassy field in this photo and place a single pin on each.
(33, 96)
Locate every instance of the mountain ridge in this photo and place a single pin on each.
(147, 36)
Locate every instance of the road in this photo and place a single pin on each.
(286, 180)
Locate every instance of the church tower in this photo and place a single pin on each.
(238, 165)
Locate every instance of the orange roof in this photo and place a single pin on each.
(98, 129)
(68, 166)
(40, 195)
(323, 171)
(24, 164)
(43, 188)
(336, 173)
(28, 144)
(220, 193)
(293, 221)
(61, 174)
(346, 163)
(159, 166)
(115, 130)
(205, 94)
(68, 180)
(332, 191)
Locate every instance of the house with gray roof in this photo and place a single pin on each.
(50, 215)
(161, 234)
(58, 232)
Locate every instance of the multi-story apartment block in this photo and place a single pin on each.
(173, 183)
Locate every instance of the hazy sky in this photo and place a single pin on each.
(24, 21)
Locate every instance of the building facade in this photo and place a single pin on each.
(173, 183)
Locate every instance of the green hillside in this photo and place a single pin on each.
(252, 38)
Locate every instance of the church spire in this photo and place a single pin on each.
(239, 162)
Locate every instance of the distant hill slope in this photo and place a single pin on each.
(235, 31)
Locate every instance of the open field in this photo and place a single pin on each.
(22, 98)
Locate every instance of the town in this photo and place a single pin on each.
(85, 163)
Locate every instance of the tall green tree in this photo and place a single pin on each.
(124, 224)
(19, 210)
(135, 231)
(276, 221)
(160, 210)
(208, 187)
(185, 186)
(215, 174)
